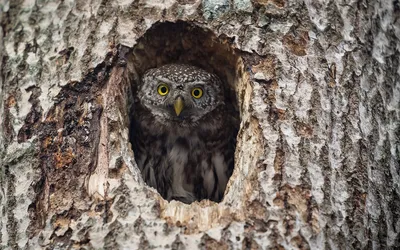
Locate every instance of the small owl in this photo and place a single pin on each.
(184, 133)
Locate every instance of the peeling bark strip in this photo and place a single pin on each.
(317, 160)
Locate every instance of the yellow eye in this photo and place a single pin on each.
(163, 89)
(197, 93)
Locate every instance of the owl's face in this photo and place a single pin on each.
(180, 93)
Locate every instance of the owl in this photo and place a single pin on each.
(183, 133)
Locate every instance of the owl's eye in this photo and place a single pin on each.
(197, 93)
(163, 89)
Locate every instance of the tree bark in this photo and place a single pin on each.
(317, 85)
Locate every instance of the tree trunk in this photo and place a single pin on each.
(317, 86)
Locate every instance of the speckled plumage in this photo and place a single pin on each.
(187, 157)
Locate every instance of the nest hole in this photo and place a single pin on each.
(186, 43)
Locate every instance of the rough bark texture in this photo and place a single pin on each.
(317, 160)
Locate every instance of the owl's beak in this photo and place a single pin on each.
(178, 105)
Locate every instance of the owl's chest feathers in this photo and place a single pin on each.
(181, 146)
(197, 170)
(189, 159)
(186, 163)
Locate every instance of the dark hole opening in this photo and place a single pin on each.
(161, 156)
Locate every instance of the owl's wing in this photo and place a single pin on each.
(149, 151)
(217, 158)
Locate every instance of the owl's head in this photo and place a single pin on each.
(180, 93)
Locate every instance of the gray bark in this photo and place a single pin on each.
(317, 159)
